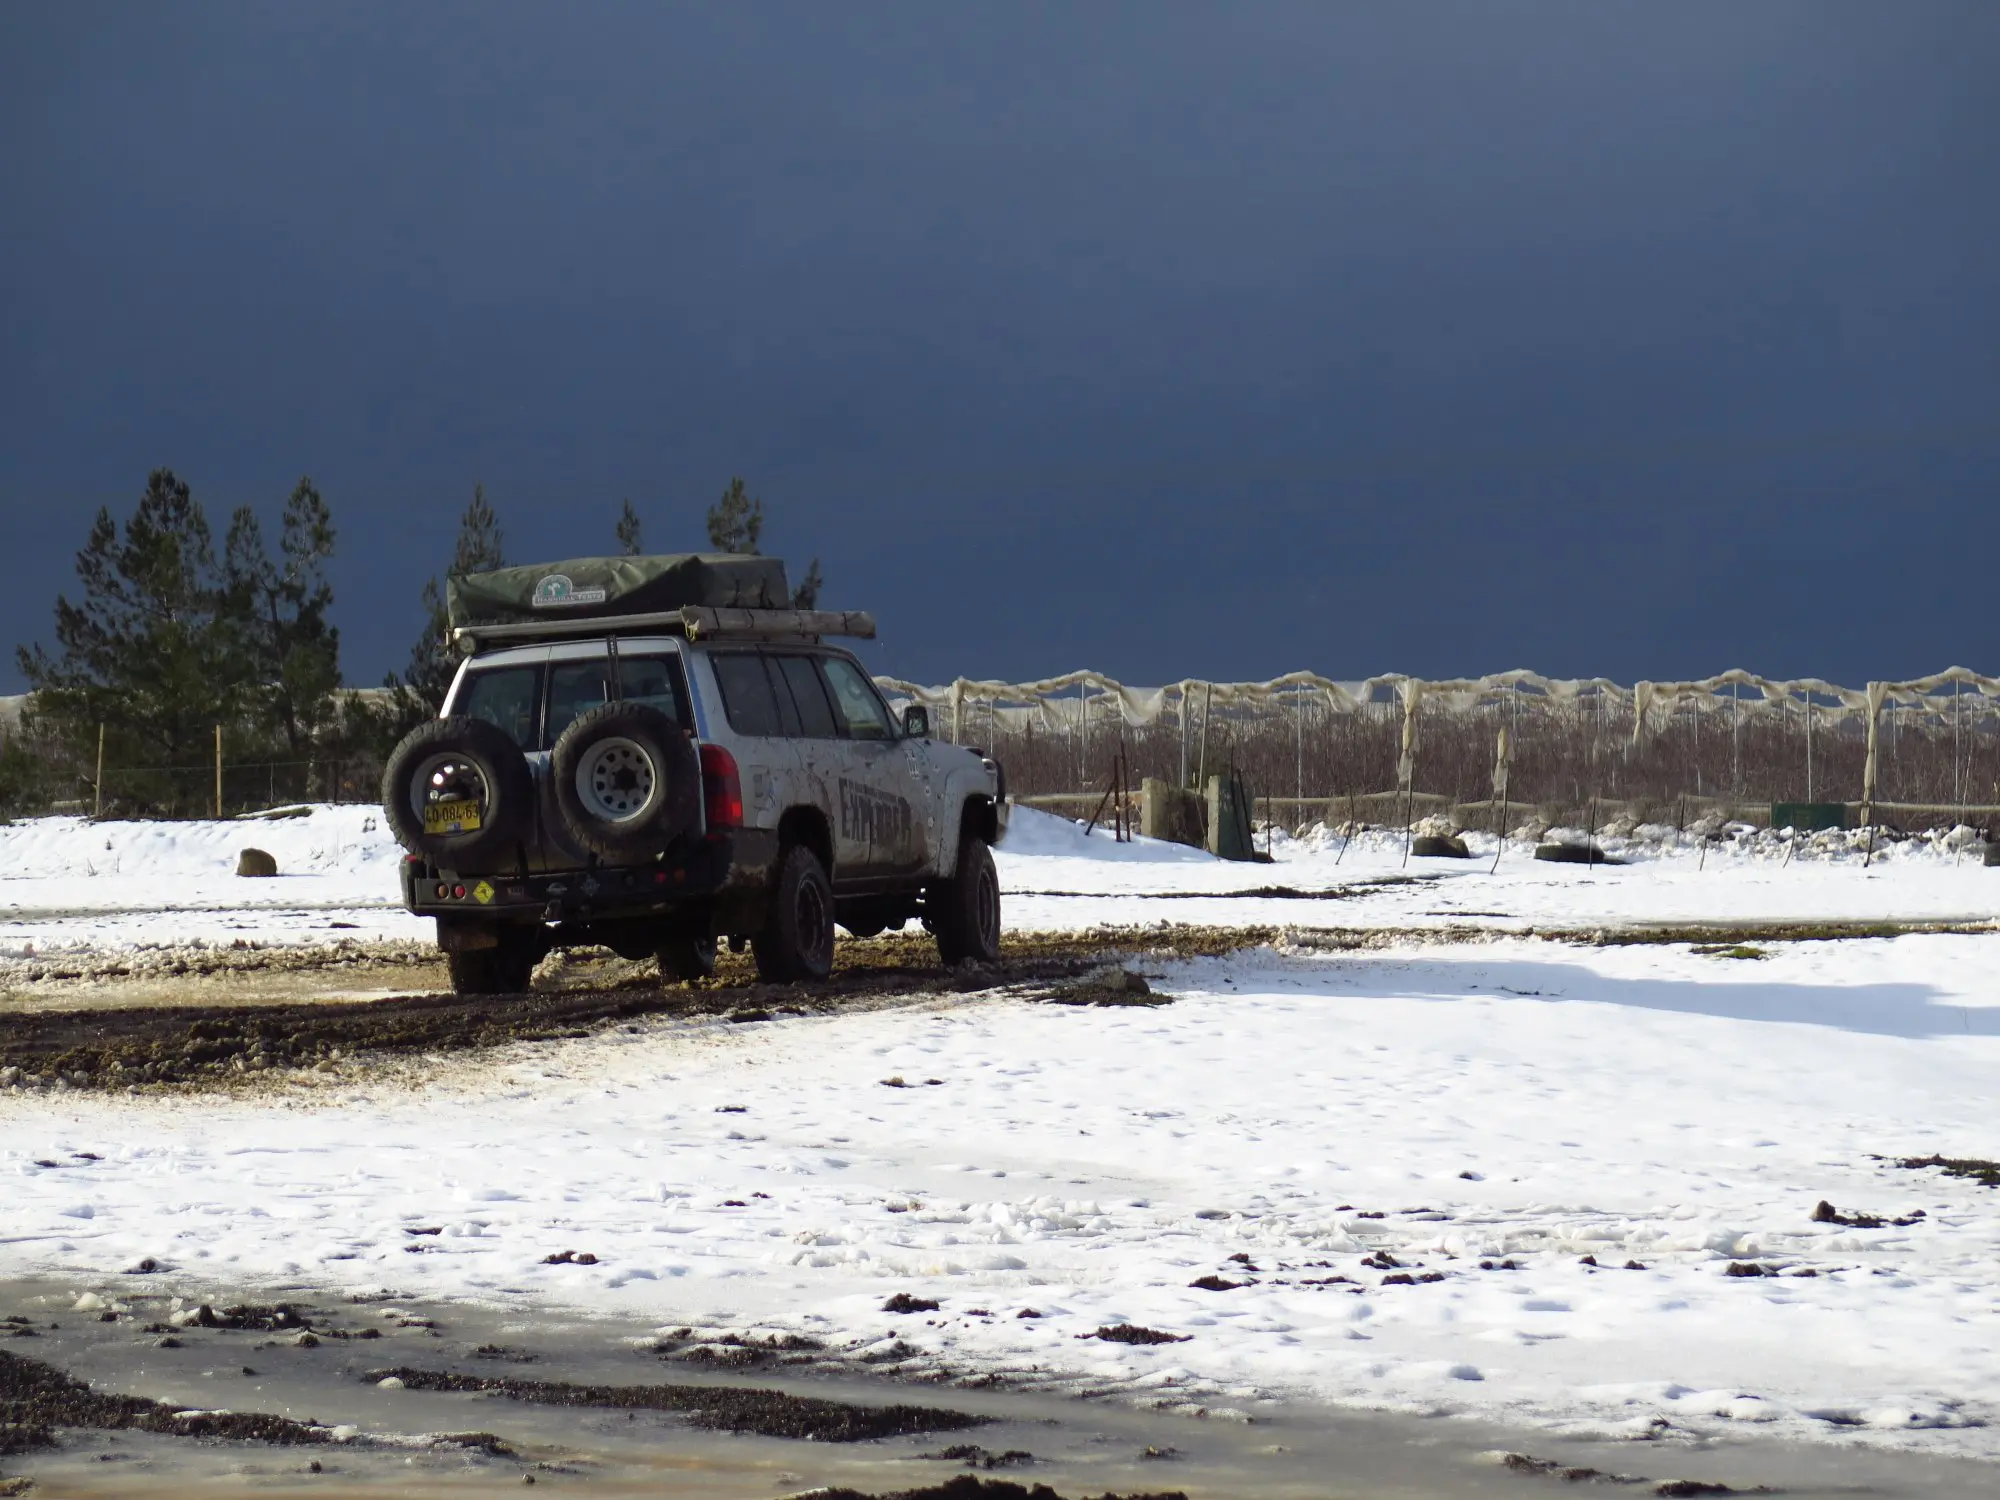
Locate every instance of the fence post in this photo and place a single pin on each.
(97, 809)
(1868, 772)
(218, 772)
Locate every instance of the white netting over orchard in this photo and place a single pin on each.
(1927, 747)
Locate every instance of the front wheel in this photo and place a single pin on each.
(964, 911)
(797, 940)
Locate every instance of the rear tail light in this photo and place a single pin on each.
(722, 789)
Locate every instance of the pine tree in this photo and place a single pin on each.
(628, 533)
(736, 522)
(421, 688)
(151, 650)
(281, 608)
(806, 595)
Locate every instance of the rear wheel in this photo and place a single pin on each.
(797, 940)
(504, 970)
(964, 911)
(688, 959)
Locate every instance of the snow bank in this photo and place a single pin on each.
(1033, 833)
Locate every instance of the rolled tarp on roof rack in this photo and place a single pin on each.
(694, 621)
(610, 587)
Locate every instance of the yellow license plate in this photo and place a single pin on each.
(451, 817)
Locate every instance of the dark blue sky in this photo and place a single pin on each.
(1633, 339)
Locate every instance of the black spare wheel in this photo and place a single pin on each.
(797, 940)
(963, 913)
(627, 781)
(457, 791)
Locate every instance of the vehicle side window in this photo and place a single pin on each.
(504, 697)
(746, 692)
(788, 711)
(809, 694)
(854, 700)
(575, 686)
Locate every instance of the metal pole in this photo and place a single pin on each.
(1207, 708)
(1957, 696)
(1735, 744)
(1299, 724)
(97, 811)
(218, 771)
(1083, 718)
(1183, 716)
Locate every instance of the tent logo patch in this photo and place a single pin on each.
(556, 591)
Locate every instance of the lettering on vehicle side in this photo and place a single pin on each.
(873, 818)
(556, 590)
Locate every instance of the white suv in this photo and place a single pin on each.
(656, 783)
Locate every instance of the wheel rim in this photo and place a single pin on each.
(615, 780)
(449, 777)
(815, 919)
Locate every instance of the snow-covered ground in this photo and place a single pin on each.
(69, 885)
(1510, 1099)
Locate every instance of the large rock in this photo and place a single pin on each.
(256, 864)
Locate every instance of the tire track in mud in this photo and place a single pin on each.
(236, 1045)
(208, 1045)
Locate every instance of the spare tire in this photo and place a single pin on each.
(627, 781)
(1573, 854)
(458, 791)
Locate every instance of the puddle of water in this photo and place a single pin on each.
(1080, 1447)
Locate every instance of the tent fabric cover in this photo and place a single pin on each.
(612, 586)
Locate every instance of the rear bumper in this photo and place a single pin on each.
(718, 866)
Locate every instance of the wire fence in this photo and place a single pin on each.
(1564, 760)
(1308, 755)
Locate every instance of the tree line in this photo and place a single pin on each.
(169, 639)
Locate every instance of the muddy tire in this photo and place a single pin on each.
(504, 970)
(797, 940)
(627, 782)
(687, 959)
(964, 911)
(465, 771)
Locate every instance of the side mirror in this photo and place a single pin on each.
(916, 722)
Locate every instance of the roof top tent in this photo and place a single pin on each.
(696, 594)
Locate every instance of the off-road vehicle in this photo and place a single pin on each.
(656, 753)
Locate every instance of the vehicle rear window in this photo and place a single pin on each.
(809, 695)
(861, 712)
(504, 697)
(575, 686)
(746, 692)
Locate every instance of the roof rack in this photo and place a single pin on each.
(696, 622)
